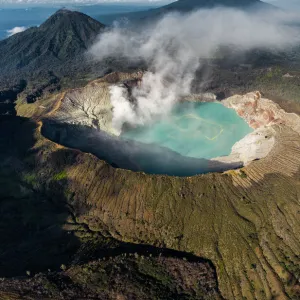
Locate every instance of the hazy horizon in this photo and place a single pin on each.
(4, 4)
(58, 3)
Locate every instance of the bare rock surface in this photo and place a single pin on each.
(255, 145)
(262, 115)
(91, 105)
(259, 112)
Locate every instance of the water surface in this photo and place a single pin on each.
(180, 145)
(198, 130)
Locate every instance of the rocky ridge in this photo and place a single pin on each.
(91, 106)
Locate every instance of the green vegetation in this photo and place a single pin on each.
(273, 72)
(154, 270)
(122, 275)
(30, 178)
(60, 176)
(276, 86)
(57, 43)
(243, 174)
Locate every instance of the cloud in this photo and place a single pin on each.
(15, 30)
(172, 48)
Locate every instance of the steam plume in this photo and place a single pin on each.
(172, 48)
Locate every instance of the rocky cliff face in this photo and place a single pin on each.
(91, 106)
(261, 112)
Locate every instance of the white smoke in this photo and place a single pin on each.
(124, 111)
(172, 48)
(15, 30)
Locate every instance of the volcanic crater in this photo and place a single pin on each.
(244, 220)
(83, 119)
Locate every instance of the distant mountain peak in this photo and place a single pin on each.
(201, 2)
(64, 16)
(194, 4)
(64, 10)
(64, 36)
(186, 6)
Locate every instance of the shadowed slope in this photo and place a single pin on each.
(39, 233)
(31, 233)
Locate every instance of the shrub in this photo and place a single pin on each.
(243, 174)
(60, 176)
(30, 178)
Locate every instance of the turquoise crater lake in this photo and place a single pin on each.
(181, 144)
(195, 130)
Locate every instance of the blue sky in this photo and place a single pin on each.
(19, 2)
(288, 4)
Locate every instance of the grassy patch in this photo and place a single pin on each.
(60, 176)
(30, 178)
(273, 72)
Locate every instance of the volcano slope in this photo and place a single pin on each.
(39, 233)
(246, 221)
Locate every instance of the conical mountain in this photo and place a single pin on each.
(66, 35)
